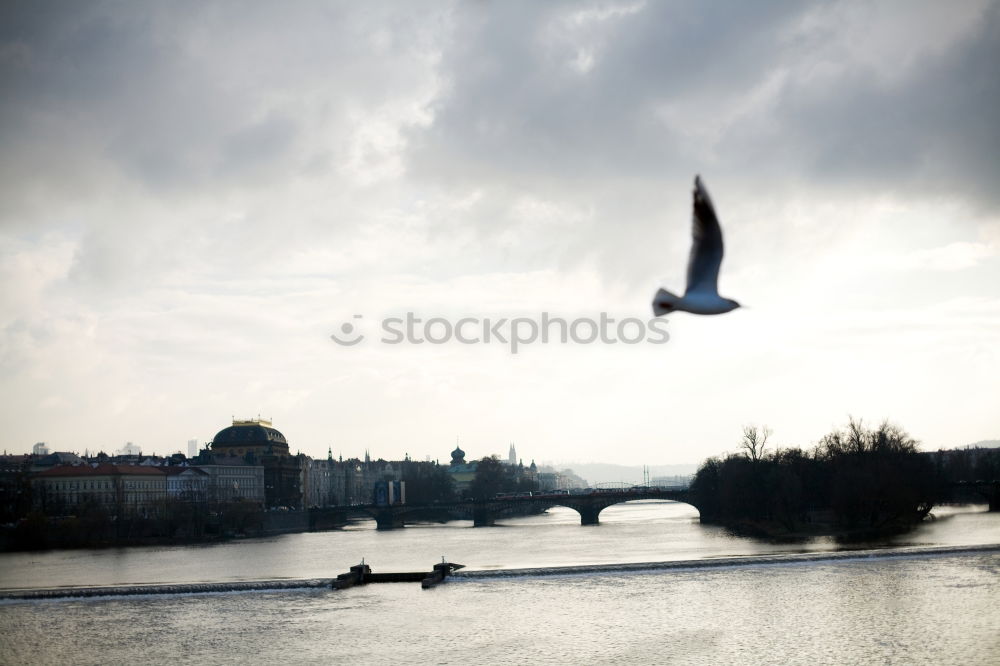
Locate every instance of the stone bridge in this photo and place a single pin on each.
(487, 512)
(987, 490)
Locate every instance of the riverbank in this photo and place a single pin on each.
(41, 533)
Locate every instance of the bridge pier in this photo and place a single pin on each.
(589, 515)
(482, 517)
(388, 520)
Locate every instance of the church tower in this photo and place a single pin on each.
(512, 455)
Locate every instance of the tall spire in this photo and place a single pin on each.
(512, 455)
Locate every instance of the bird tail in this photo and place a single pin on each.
(664, 302)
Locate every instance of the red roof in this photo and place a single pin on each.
(103, 469)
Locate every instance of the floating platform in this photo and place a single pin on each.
(361, 574)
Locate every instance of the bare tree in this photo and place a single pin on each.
(858, 440)
(754, 441)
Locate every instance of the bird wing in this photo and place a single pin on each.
(706, 245)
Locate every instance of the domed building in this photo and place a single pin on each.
(255, 442)
(461, 472)
(253, 436)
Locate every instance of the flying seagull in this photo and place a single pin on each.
(702, 293)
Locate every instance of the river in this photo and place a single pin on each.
(902, 600)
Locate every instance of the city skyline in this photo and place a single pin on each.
(195, 199)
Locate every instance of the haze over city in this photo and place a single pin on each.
(195, 198)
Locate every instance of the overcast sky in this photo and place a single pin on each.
(195, 196)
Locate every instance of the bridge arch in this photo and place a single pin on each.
(590, 506)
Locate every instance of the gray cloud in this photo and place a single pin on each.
(178, 139)
(769, 93)
(188, 97)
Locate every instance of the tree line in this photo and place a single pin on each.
(857, 479)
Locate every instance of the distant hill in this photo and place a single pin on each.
(983, 444)
(596, 473)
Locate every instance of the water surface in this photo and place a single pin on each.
(770, 605)
(645, 531)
